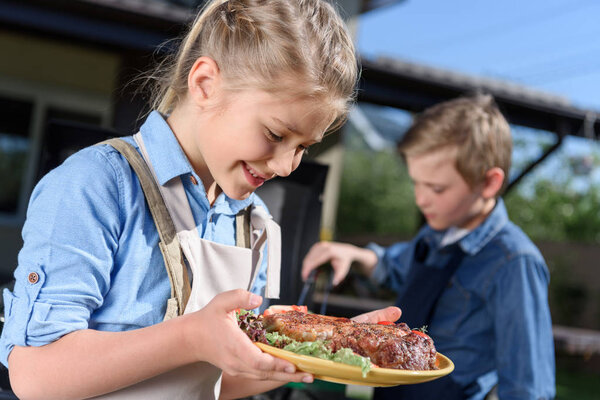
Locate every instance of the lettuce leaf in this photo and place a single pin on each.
(321, 350)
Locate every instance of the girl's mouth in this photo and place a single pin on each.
(253, 177)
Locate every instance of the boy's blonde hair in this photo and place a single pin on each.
(474, 125)
(301, 47)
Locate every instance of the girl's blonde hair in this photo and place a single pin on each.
(299, 46)
(474, 125)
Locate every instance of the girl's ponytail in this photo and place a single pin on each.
(167, 94)
(266, 45)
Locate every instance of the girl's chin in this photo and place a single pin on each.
(237, 194)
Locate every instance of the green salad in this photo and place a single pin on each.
(320, 349)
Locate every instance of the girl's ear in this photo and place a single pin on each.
(494, 178)
(203, 80)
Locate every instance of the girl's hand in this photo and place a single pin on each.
(213, 335)
(391, 314)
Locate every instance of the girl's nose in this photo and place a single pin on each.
(284, 163)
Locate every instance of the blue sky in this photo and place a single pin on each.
(549, 45)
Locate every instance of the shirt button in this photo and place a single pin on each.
(193, 179)
(33, 278)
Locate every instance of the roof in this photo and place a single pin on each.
(182, 10)
(470, 82)
(167, 10)
(414, 87)
(127, 24)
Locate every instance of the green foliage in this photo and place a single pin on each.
(576, 384)
(557, 214)
(376, 195)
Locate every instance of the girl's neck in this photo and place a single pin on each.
(183, 131)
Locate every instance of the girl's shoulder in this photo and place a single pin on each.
(93, 171)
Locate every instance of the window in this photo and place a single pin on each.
(26, 111)
(15, 121)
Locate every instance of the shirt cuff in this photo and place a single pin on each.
(380, 273)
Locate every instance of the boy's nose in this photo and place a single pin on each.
(284, 163)
(420, 198)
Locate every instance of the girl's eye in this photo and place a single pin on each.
(438, 189)
(274, 137)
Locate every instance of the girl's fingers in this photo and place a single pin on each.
(234, 299)
(266, 367)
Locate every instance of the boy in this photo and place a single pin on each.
(470, 274)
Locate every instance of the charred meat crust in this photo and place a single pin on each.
(388, 346)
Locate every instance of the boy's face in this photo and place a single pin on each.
(442, 194)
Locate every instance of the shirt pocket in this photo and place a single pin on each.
(451, 311)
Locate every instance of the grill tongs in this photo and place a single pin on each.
(309, 283)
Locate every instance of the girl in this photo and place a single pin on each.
(253, 85)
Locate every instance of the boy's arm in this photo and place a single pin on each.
(87, 363)
(341, 256)
(385, 265)
(523, 330)
(393, 264)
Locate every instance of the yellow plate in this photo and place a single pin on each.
(348, 374)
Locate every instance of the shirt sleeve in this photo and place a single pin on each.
(392, 266)
(523, 330)
(70, 235)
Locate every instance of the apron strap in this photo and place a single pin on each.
(172, 193)
(169, 244)
(262, 221)
(242, 228)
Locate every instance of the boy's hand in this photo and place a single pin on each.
(340, 256)
(214, 336)
(391, 314)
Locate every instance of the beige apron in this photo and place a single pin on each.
(214, 268)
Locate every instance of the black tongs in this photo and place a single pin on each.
(308, 284)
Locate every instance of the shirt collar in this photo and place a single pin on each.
(488, 229)
(169, 161)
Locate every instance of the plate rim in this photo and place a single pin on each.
(380, 377)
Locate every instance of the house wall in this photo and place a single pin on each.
(54, 75)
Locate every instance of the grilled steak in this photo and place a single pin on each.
(388, 346)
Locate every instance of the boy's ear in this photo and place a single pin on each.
(494, 178)
(203, 80)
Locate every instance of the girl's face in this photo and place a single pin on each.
(250, 137)
(442, 194)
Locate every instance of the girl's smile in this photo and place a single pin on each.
(253, 177)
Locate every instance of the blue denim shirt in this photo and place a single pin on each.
(493, 319)
(90, 240)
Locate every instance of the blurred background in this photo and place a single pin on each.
(67, 80)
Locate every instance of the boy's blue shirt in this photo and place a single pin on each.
(493, 319)
(92, 242)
